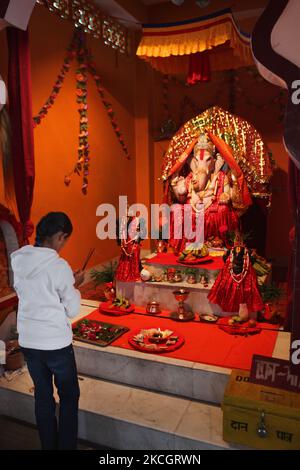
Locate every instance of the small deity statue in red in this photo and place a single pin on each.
(235, 289)
(130, 229)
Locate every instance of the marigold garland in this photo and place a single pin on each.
(86, 65)
(57, 85)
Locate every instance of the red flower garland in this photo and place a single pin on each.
(109, 108)
(83, 159)
(57, 85)
(85, 64)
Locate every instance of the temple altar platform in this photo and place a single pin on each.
(134, 400)
(140, 292)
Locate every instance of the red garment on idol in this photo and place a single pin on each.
(129, 266)
(218, 220)
(228, 294)
(129, 263)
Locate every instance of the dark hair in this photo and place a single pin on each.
(51, 224)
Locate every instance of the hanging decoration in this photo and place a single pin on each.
(109, 109)
(81, 99)
(78, 49)
(170, 47)
(199, 68)
(57, 85)
(86, 15)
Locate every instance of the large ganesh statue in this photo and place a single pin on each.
(216, 162)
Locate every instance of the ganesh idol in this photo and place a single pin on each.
(207, 176)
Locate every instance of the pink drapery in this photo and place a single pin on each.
(19, 91)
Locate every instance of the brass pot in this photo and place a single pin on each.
(181, 294)
(178, 277)
(171, 274)
(153, 307)
(191, 279)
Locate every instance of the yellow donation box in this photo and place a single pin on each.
(260, 417)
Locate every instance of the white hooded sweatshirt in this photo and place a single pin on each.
(44, 283)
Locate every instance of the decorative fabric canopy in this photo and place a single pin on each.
(167, 47)
(249, 150)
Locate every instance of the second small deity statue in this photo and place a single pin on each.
(130, 230)
(235, 289)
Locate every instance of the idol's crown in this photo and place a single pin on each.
(204, 144)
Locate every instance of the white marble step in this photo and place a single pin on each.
(120, 417)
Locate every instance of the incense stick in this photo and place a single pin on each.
(91, 252)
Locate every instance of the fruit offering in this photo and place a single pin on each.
(236, 326)
(193, 254)
(121, 303)
(236, 321)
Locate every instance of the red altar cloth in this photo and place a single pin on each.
(204, 343)
(166, 259)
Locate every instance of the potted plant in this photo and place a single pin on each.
(105, 276)
(271, 294)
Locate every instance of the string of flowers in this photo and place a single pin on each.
(108, 106)
(86, 65)
(57, 85)
(83, 160)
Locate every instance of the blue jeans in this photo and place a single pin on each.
(43, 366)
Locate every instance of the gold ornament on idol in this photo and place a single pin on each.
(238, 278)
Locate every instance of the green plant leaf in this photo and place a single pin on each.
(106, 274)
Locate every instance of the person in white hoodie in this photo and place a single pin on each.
(48, 298)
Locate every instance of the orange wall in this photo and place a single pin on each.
(56, 137)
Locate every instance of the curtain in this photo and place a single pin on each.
(168, 46)
(19, 92)
(293, 313)
(199, 68)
